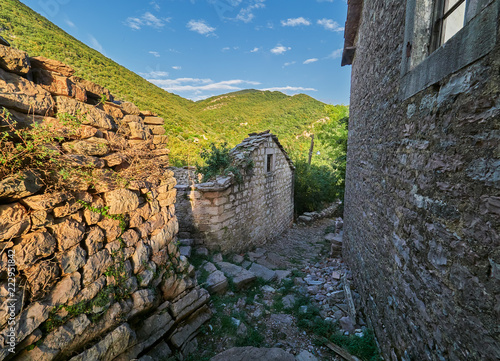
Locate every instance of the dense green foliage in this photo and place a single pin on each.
(323, 181)
(218, 161)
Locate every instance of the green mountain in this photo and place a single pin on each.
(190, 125)
(31, 32)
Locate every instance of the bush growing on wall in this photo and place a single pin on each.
(218, 161)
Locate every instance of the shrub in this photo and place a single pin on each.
(315, 186)
(218, 161)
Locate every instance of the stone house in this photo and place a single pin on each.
(233, 216)
(422, 201)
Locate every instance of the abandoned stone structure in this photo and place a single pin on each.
(422, 204)
(230, 215)
(89, 272)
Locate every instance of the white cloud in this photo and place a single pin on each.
(295, 22)
(147, 19)
(201, 27)
(176, 67)
(155, 5)
(96, 45)
(155, 54)
(280, 49)
(329, 24)
(154, 74)
(70, 23)
(196, 88)
(289, 63)
(254, 50)
(227, 48)
(309, 61)
(335, 54)
(246, 14)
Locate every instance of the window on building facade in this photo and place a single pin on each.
(269, 163)
(449, 20)
(443, 36)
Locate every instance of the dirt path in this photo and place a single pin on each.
(297, 298)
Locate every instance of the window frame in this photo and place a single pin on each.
(269, 161)
(440, 15)
(421, 68)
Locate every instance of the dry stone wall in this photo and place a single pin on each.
(422, 200)
(231, 217)
(90, 270)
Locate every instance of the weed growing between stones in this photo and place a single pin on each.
(104, 211)
(24, 148)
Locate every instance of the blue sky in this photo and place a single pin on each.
(202, 48)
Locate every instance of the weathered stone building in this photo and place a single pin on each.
(89, 270)
(228, 215)
(422, 204)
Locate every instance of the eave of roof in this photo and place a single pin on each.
(354, 9)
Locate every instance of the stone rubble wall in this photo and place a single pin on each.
(106, 283)
(230, 217)
(422, 201)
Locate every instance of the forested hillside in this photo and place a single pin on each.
(193, 126)
(190, 125)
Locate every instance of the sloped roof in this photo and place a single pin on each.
(354, 9)
(254, 141)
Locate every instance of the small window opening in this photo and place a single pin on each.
(269, 163)
(450, 18)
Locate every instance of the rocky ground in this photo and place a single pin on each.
(292, 295)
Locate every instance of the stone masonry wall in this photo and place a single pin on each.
(422, 204)
(90, 272)
(233, 217)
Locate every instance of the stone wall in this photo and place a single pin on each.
(422, 200)
(231, 217)
(89, 269)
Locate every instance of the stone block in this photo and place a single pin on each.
(14, 60)
(23, 95)
(115, 343)
(41, 277)
(143, 300)
(130, 108)
(14, 221)
(160, 139)
(96, 265)
(121, 201)
(189, 328)
(91, 146)
(189, 303)
(55, 84)
(93, 90)
(40, 62)
(262, 272)
(14, 188)
(241, 277)
(157, 129)
(68, 233)
(153, 120)
(87, 113)
(217, 283)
